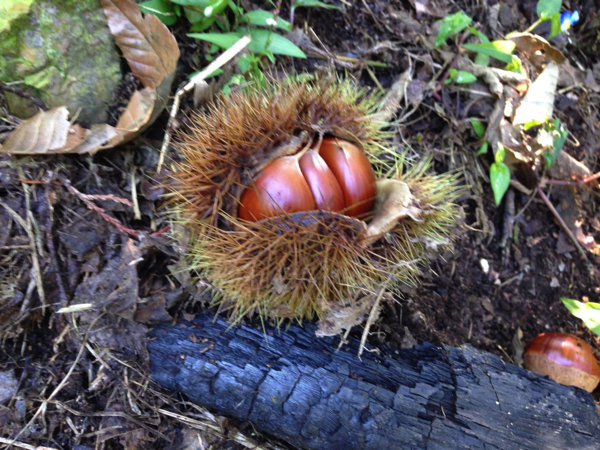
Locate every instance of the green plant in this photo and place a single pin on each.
(499, 175)
(223, 22)
(551, 134)
(588, 312)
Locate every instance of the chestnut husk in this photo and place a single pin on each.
(313, 264)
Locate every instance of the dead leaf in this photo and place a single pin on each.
(394, 202)
(153, 311)
(538, 50)
(152, 54)
(538, 103)
(140, 39)
(430, 7)
(491, 76)
(334, 321)
(45, 133)
(392, 101)
(113, 293)
(568, 168)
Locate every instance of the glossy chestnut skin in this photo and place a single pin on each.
(353, 171)
(565, 358)
(333, 178)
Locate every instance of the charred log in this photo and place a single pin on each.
(298, 388)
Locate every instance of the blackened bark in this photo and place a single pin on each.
(296, 387)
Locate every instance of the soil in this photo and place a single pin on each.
(497, 282)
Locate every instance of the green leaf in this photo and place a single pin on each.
(235, 79)
(480, 59)
(162, 9)
(222, 40)
(483, 149)
(202, 25)
(478, 128)
(314, 3)
(500, 180)
(263, 18)
(500, 50)
(556, 28)
(215, 8)
(547, 8)
(464, 77)
(515, 65)
(199, 4)
(245, 62)
(500, 154)
(276, 43)
(196, 17)
(451, 25)
(560, 136)
(588, 312)
(452, 73)
(478, 33)
(533, 123)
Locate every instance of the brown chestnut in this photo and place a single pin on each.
(565, 358)
(335, 177)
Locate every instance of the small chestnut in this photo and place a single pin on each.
(337, 176)
(565, 358)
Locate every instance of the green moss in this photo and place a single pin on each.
(62, 53)
(12, 10)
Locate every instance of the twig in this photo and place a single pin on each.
(26, 225)
(216, 64)
(507, 226)
(23, 445)
(372, 316)
(62, 384)
(21, 93)
(85, 198)
(64, 299)
(562, 223)
(137, 215)
(578, 183)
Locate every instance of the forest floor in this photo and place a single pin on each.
(498, 286)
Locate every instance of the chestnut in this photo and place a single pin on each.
(337, 177)
(565, 358)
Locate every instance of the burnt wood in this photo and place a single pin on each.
(298, 388)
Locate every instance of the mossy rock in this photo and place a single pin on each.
(62, 52)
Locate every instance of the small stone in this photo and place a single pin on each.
(485, 265)
(8, 386)
(554, 283)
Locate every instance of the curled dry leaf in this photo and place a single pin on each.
(538, 50)
(345, 317)
(538, 103)
(46, 132)
(152, 54)
(394, 202)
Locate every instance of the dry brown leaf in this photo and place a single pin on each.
(430, 7)
(538, 103)
(146, 43)
(568, 168)
(538, 50)
(152, 53)
(394, 202)
(45, 133)
(342, 318)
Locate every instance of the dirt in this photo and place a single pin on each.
(495, 281)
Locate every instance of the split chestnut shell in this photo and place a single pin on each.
(309, 259)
